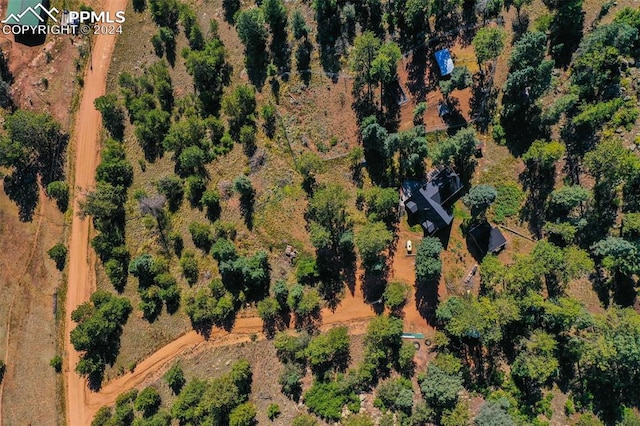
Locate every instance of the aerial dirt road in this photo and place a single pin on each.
(353, 312)
(86, 142)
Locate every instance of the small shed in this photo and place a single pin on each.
(443, 109)
(443, 58)
(487, 238)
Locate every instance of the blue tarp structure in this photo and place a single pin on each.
(443, 58)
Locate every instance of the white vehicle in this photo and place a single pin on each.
(409, 246)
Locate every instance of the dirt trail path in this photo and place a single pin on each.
(81, 277)
(353, 311)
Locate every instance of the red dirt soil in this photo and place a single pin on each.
(81, 275)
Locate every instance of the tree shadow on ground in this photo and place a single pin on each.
(204, 328)
(373, 286)
(416, 73)
(454, 119)
(309, 323)
(335, 270)
(539, 183)
(624, 292)
(271, 327)
(281, 53)
(519, 25)
(257, 69)
(523, 128)
(349, 277)
(482, 105)
(427, 299)
(600, 285)
(22, 188)
(247, 209)
(566, 32)
(230, 8)
(303, 61)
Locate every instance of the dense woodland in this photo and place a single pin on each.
(567, 110)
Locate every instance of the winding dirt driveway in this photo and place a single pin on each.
(353, 312)
(81, 275)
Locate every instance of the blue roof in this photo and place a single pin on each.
(443, 58)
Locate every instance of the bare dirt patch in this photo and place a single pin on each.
(418, 75)
(319, 117)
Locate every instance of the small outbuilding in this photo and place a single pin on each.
(443, 58)
(443, 109)
(487, 238)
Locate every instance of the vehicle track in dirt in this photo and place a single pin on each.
(353, 313)
(86, 136)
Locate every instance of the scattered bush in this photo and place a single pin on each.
(189, 266)
(273, 411)
(201, 235)
(175, 378)
(395, 295)
(148, 401)
(243, 415)
(327, 399)
(59, 191)
(56, 363)
(58, 254)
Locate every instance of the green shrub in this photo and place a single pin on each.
(327, 399)
(243, 415)
(102, 417)
(273, 411)
(175, 378)
(148, 401)
(56, 363)
(510, 198)
(395, 395)
(395, 295)
(58, 254)
(569, 407)
(290, 381)
(196, 186)
(211, 201)
(304, 420)
(189, 266)
(59, 191)
(307, 269)
(201, 235)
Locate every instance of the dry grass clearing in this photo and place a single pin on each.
(279, 202)
(28, 281)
